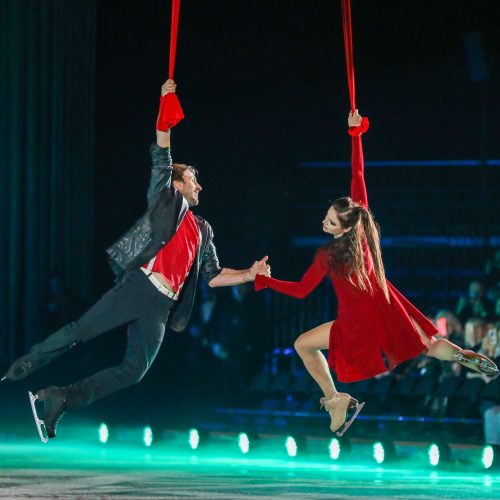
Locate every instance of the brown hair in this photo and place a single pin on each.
(178, 170)
(347, 257)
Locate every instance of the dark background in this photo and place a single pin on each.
(263, 86)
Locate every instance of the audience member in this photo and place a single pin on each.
(475, 305)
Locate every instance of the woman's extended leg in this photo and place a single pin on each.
(447, 351)
(309, 346)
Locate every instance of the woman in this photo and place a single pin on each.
(374, 319)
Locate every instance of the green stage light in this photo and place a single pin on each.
(147, 436)
(103, 432)
(243, 443)
(439, 454)
(334, 448)
(433, 454)
(291, 446)
(194, 438)
(487, 457)
(378, 452)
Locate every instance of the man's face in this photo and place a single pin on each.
(189, 188)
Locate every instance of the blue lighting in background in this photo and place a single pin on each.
(410, 241)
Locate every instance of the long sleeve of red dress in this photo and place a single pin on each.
(299, 289)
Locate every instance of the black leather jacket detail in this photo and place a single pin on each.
(153, 230)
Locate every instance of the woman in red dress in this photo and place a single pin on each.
(374, 320)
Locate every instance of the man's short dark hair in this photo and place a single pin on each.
(179, 169)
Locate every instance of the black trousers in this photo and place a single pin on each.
(133, 301)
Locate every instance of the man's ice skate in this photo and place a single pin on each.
(40, 425)
(55, 401)
(476, 362)
(22, 367)
(337, 407)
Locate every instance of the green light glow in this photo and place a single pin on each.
(194, 438)
(147, 436)
(433, 454)
(103, 433)
(334, 448)
(243, 443)
(378, 452)
(487, 457)
(291, 446)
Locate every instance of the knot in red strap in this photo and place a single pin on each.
(360, 129)
(170, 112)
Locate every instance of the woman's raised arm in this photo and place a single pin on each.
(357, 126)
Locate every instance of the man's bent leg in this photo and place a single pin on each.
(144, 338)
(122, 304)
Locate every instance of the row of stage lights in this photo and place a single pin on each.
(381, 452)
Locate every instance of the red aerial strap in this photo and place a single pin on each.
(170, 108)
(349, 60)
(174, 29)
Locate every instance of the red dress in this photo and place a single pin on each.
(367, 324)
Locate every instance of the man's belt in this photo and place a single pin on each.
(160, 286)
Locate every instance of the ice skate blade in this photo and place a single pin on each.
(3, 378)
(477, 362)
(42, 432)
(348, 424)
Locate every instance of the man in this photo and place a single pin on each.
(157, 262)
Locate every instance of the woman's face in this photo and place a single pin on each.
(331, 223)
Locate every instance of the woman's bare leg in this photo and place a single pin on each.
(309, 346)
(447, 351)
(437, 348)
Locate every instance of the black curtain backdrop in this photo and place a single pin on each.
(47, 94)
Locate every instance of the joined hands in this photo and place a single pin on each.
(260, 267)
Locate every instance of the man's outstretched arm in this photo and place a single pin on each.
(229, 277)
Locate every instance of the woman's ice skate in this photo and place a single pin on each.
(337, 407)
(476, 362)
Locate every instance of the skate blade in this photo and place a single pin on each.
(40, 425)
(488, 368)
(348, 424)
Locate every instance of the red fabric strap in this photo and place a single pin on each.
(170, 108)
(174, 29)
(349, 59)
